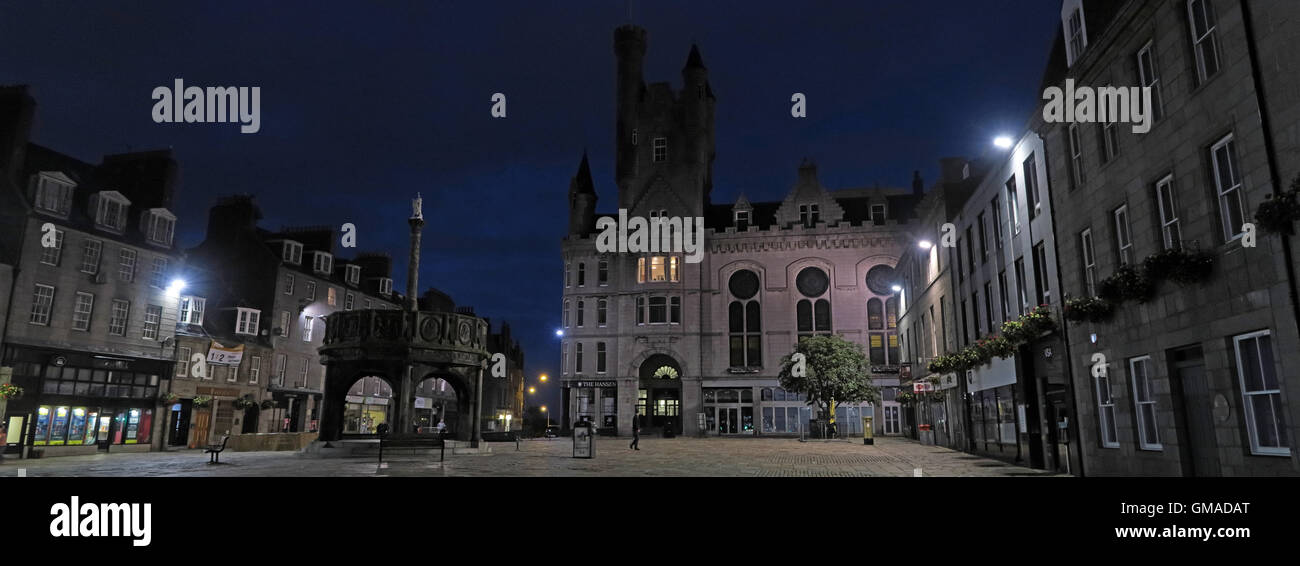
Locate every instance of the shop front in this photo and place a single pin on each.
(994, 409)
(363, 415)
(597, 400)
(78, 403)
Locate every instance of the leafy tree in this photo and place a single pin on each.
(835, 371)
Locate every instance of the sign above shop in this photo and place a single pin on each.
(596, 383)
(222, 356)
(922, 387)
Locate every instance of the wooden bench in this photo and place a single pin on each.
(416, 443)
(216, 449)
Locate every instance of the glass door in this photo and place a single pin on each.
(892, 422)
(728, 420)
(101, 432)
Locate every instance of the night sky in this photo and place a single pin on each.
(363, 105)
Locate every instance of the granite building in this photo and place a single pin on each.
(695, 348)
(1200, 377)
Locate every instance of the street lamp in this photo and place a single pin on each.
(532, 390)
(548, 418)
(542, 378)
(1002, 142)
(925, 244)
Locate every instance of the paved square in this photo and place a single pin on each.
(716, 457)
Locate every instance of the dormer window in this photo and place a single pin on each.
(878, 214)
(660, 150)
(353, 275)
(191, 310)
(110, 210)
(291, 252)
(1076, 33)
(742, 219)
(809, 215)
(322, 263)
(158, 225)
(247, 321)
(385, 286)
(52, 192)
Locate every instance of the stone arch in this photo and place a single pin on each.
(634, 367)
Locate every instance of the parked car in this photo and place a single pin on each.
(552, 431)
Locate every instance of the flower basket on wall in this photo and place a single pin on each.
(1179, 265)
(167, 398)
(1091, 309)
(1278, 213)
(201, 402)
(9, 392)
(1127, 284)
(243, 403)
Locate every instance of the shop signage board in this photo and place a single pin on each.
(222, 356)
(922, 387)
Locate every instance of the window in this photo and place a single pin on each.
(353, 275)
(191, 310)
(975, 313)
(90, 256)
(878, 214)
(53, 193)
(1204, 44)
(247, 321)
(117, 321)
(158, 226)
(288, 284)
(1013, 206)
(281, 362)
(1041, 280)
(1020, 286)
(254, 369)
(1123, 243)
(42, 304)
(581, 308)
(602, 273)
(368, 304)
(1149, 77)
(152, 318)
(126, 265)
(600, 357)
(1106, 414)
(331, 296)
(322, 263)
(582, 274)
(745, 320)
(743, 219)
(307, 326)
(1089, 260)
(965, 323)
(302, 374)
(1077, 178)
(566, 314)
(311, 290)
(564, 358)
(601, 311)
(1261, 394)
(675, 310)
(81, 311)
(661, 269)
(291, 252)
(970, 250)
(110, 210)
(1227, 180)
(984, 239)
(1144, 403)
(640, 310)
(658, 310)
(284, 323)
(577, 358)
(1168, 205)
(1030, 168)
(809, 215)
(385, 286)
(1076, 38)
(988, 307)
(232, 374)
(660, 150)
(1002, 290)
(567, 281)
(348, 301)
(158, 276)
(51, 255)
(182, 361)
(813, 314)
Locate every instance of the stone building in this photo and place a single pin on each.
(90, 328)
(695, 347)
(1201, 378)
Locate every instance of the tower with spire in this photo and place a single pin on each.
(582, 201)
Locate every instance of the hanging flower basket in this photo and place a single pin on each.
(243, 403)
(9, 391)
(1091, 309)
(201, 402)
(905, 397)
(166, 398)
(1179, 265)
(1127, 284)
(1278, 213)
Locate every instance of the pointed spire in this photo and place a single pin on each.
(694, 61)
(582, 182)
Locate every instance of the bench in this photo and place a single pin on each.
(416, 443)
(216, 449)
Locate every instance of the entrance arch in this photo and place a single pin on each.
(659, 392)
(368, 402)
(436, 400)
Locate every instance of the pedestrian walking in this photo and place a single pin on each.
(636, 434)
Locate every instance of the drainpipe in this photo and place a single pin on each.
(1270, 150)
(1072, 429)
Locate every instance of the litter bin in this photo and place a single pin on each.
(584, 439)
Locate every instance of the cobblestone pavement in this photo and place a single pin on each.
(732, 457)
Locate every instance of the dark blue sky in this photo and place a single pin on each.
(365, 104)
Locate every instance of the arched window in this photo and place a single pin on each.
(875, 315)
(813, 314)
(602, 307)
(582, 274)
(744, 320)
(577, 355)
(566, 314)
(581, 304)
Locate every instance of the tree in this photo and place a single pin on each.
(834, 371)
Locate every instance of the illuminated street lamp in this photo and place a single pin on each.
(559, 332)
(542, 378)
(532, 390)
(1002, 142)
(925, 244)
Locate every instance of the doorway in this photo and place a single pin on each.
(893, 420)
(1193, 413)
(202, 425)
(180, 424)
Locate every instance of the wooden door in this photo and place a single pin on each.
(202, 426)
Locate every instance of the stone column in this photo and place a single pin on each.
(331, 414)
(478, 407)
(413, 265)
